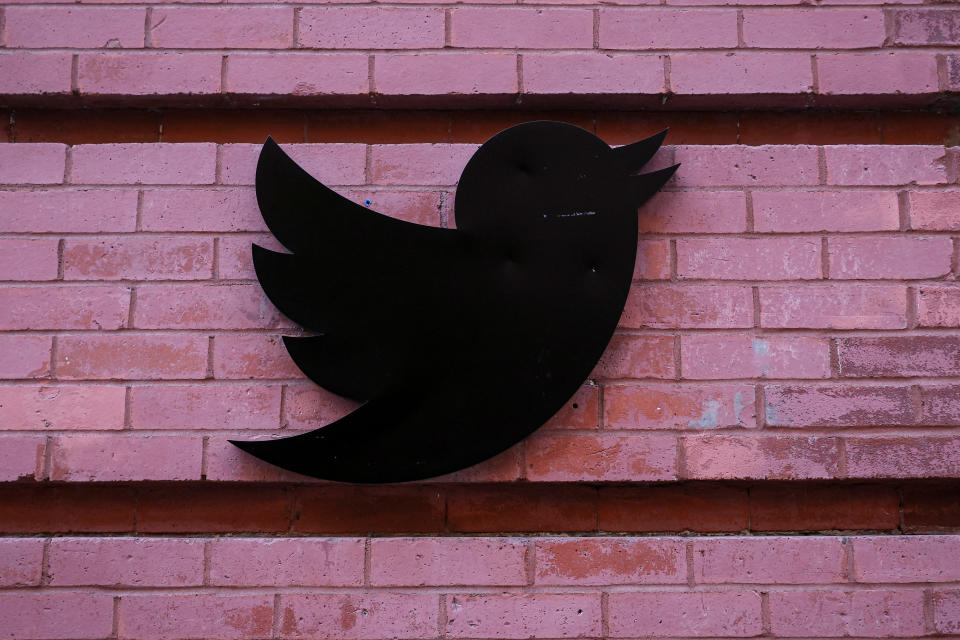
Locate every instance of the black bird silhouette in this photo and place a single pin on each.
(462, 342)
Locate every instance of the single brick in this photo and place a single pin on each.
(695, 212)
(252, 356)
(834, 307)
(768, 165)
(129, 356)
(715, 457)
(953, 72)
(938, 306)
(427, 164)
(121, 258)
(906, 558)
(711, 614)
(608, 561)
(802, 211)
(96, 458)
(222, 27)
(420, 207)
(371, 28)
(74, 27)
(925, 26)
(149, 74)
(297, 74)
(357, 616)
(78, 508)
(941, 403)
(308, 406)
(28, 259)
(234, 306)
(775, 560)
(877, 73)
(32, 163)
(666, 406)
(205, 407)
(838, 406)
(521, 28)
(740, 73)
(33, 73)
(284, 562)
(712, 356)
(526, 507)
(61, 407)
(813, 507)
(634, 29)
(56, 615)
(21, 562)
(436, 74)
(211, 508)
(225, 461)
(934, 210)
(632, 356)
(592, 73)
(63, 307)
(748, 258)
(688, 307)
(653, 260)
(901, 356)
(565, 458)
(872, 613)
(217, 616)
(151, 163)
(235, 255)
(223, 210)
(903, 457)
(679, 507)
(364, 509)
(838, 29)
(523, 615)
(68, 211)
(21, 458)
(24, 356)
(931, 508)
(131, 562)
(504, 467)
(946, 611)
(332, 164)
(888, 164)
(417, 562)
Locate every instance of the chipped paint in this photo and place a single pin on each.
(710, 417)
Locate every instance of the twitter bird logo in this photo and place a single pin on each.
(458, 342)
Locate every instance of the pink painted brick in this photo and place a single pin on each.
(740, 73)
(419, 207)
(926, 26)
(416, 164)
(371, 28)
(608, 561)
(666, 406)
(205, 407)
(953, 73)
(872, 613)
(32, 163)
(61, 407)
(359, 616)
(234, 306)
(653, 260)
(435, 74)
(225, 461)
(131, 357)
(503, 467)
(623, 28)
(216, 616)
(56, 615)
(28, 259)
(587, 73)
(63, 307)
(793, 211)
(332, 164)
(252, 356)
(877, 73)
(906, 558)
(21, 458)
(774, 560)
(24, 356)
(711, 356)
(221, 210)
(899, 356)
(580, 412)
(887, 164)
(761, 458)
(417, 562)
(688, 307)
(121, 258)
(946, 611)
(773, 165)
(839, 29)
(235, 257)
(298, 74)
(131, 562)
(222, 28)
(151, 163)
(938, 306)
(308, 406)
(903, 457)
(523, 615)
(93, 458)
(695, 212)
(941, 403)
(729, 614)
(834, 307)
(21, 562)
(149, 74)
(631, 356)
(748, 258)
(81, 27)
(521, 28)
(838, 406)
(585, 458)
(284, 562)
(934, 210)
(68, 211)
(32, 73)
